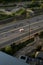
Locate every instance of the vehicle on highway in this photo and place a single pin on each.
(21, 30)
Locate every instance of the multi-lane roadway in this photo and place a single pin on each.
(10, 33)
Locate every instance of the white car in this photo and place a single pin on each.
(21, 30)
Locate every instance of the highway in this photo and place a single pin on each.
(20, 23)
(9, 34)
(26, 28)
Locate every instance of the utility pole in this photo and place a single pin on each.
(29, 29)
(29, 21)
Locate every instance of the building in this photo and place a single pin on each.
(6, 59)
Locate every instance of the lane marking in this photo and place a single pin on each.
(8, 38)
(22, 27)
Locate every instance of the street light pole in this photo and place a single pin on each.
(29, 21)
(29, 29)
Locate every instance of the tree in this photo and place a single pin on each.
(8, 49)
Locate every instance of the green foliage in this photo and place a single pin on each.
(14, 48)
(20, 12)
(8, 50)
(4, 16)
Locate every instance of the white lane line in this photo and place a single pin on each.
(26, 30)
(12, 37)
(25, 20)
(22, 27)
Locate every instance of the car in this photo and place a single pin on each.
(21, 30)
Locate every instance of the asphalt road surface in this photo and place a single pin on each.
(9, 34)
(20, 23)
